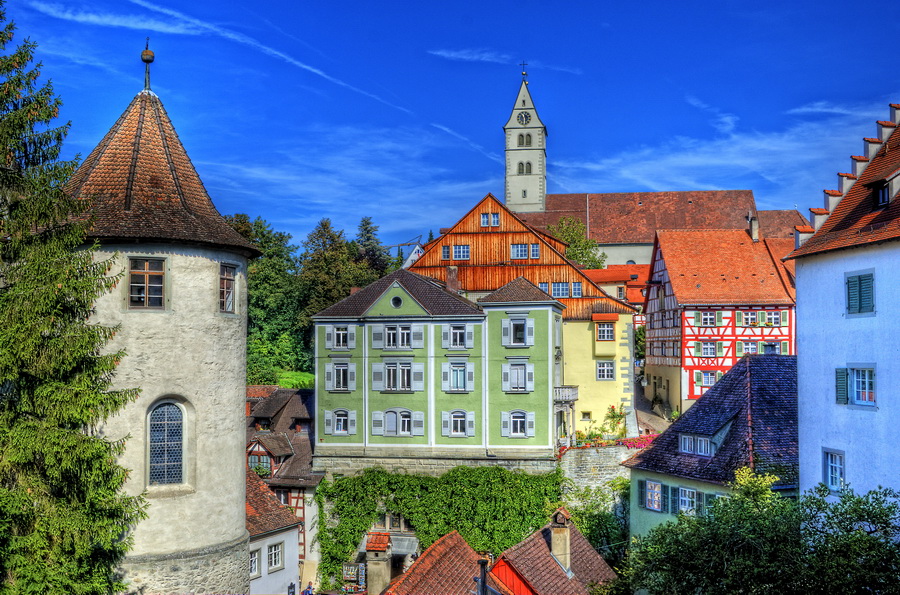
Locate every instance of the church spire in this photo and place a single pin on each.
(526, 154)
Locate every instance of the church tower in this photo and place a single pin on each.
(181, 311)
(526, 155)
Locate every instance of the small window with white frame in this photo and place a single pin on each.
(576, 289)
(341, 338)
(341, 421)
(275, 556)
(606, 370)
(687, 443)
(605, 331)
(445, 252)
(535, 251)
(560, 289)
(653, 496)
(544, 286)
(834, 470)
(517, 420)
(687, 500)
(254, 564)
(751, 347)
(773, 318)
(341, 376)
(708, 349)
(458, 423)
(460, 252)
(862, 386)
(708, 378)
(457, 336)
(707, 318)
(518, 251)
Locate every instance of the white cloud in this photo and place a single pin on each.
(490, 155)
(721, 121)
(821, 107)
(102, 19)
(473, 55)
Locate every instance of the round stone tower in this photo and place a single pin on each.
(181, 306)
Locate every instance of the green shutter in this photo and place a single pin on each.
(761, 347)
(664, 497)
(784, 318)
(700, 504)
(840, 386)
(785, 348)
(739, 319)
(739, 348)
(720, 349)
(674, 500)
(719, 318)
(853, 294)
(867, 293)
(697, 318)
(698, 377)
(719, 375)
(698, 348)
(642, 493)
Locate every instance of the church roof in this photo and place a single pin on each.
(634, 217)
(144, 186)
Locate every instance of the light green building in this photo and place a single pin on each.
(412, 377)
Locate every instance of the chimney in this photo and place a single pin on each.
(754, 229)
(560, 543)
(453, 279)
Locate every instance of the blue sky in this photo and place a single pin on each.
(295, 111)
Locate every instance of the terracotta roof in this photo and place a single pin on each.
(634, 217)
(726, 267)
(620, 274)
(144, 186)
(265, 514)
(779, 224)
(447, 567)
(261, 391)
(856, 220)
(519, 289)
(757, 398)
(430, 294)
(532, 559)
(378, 542)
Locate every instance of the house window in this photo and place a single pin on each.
(458, 423)
(700, 445)
(275, 557)
(544, 286)
(284, 496)
(341, 377)
(687, 500)
(773, 318)
(707, 319)
(397, 423)
(397, 376)
(458, 376)
(460, 252)
(518, 251)
(882, 195)
(262, 461)
(834, 476)
(166, 444)
(862, 386)
(146, 287)
(340, 338)
(517, 329)
(560, 290)
(620, 292)
(707, 378)
(535, 250)
(517, 424)
(254, 564)
(605, 331)
(687, 443)
(490, 219)
(751, 347)
(576, 289)
(495, 219)
(750, 318)
(653, 496)
(226, 288)
(586, 416)
(341, 422)
(397, 336)
(860, 294)
(517, 377)
(445, 252)
(458, 336)
(606, 370)
(708, 349)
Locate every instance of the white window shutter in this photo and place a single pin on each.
(418, 376)
(470, 423)
(378, 376)
(329, 376)
(445, 376)
(351, 376)
(504, 424)
(377, 336)
(445, 336)
(529, 377)
(470, 376)
(351, 337)
(418, 423)
(470, 336)
(529, 424)
(529, 332)
(378, 423)
(351, 422)
(504, 332)
(329, 337)
(418, 336)
(329, 423)
(505, 377)
(445, 423)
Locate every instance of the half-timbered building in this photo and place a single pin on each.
(713, 297)
(491, 246)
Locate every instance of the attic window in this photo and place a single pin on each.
(396, 301)
(882, 194)
(699, 445)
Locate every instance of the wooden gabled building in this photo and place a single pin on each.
(489, 247)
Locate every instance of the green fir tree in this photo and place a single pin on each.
(64, 519)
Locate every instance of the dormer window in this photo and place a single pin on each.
(698, 445)
(882, 194)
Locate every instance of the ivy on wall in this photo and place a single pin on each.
(491, 507)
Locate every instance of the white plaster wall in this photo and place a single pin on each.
(277, 581)
(191, 353)
(827, 338)
(622, 253)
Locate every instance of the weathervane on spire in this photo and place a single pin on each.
(147, 58)
(524, 71)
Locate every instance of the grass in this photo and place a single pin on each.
(288, 379)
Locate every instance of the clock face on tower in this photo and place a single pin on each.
(523, 118)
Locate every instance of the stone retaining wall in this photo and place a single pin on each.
(593, 467)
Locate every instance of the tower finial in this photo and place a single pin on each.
(524, 70)
(147, 58)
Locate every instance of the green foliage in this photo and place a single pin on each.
(581, 249)
(759, 542)
(63, 516)
(288, 379)
(640, 339)
(492, 508)
(370, 251)
(601, 514)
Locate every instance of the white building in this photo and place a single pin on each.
(274, 535)
(847, 324)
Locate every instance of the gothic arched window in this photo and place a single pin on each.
(521, 140)
(528, 167)
(166, 444)
(521, 168)
(527, 140)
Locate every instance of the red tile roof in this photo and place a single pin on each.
(265, 514)
(620, 274)
(634, 217)
(447, 567)
(378, 542)
(261, 391)
(856, 220)
(779, 224)
(143, 185)
(532, 560)
(726, 267)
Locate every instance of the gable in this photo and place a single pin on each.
(396, 301)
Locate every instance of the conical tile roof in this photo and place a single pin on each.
(144, 186)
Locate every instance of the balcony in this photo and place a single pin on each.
(565, 394)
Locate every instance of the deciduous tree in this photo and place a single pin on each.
(581, 249)
(64, 519)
